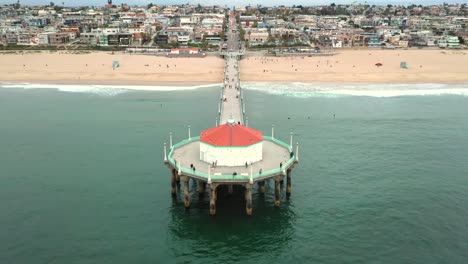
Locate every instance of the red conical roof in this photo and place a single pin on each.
(231, 135)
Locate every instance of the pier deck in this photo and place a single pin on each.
(274, 153)
(232, 103)
(278, 158)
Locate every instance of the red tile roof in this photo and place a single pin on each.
(231, 135)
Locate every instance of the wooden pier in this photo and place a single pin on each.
(184, 158)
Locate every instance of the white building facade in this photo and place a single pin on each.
(231, 145)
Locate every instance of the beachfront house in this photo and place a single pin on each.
(453, 42)
(285, 33)
(91, 39)
(10, 37)
(73, 32)
(257, 35)
(403, 43)
(178, 34)
(183, 38)
(372, 40)
(43, 39)
(119, 39)
(58, 38)
(337, 43)
(24, 39)
(161, 39)
(358, 40)
(213, 39)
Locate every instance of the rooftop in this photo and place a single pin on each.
(231, 135)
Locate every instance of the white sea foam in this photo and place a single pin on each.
(106, 90)
(294, 89)
(306, 90)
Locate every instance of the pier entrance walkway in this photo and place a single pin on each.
(231, 100)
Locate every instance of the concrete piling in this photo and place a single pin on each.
(261, 186)
(213, 199)
(201, 187)
(288, 182)
(186, 191)
(174, 183)
(277, 193)
(248, 199)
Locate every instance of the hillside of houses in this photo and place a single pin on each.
(184, 26)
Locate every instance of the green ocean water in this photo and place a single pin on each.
(82, 180)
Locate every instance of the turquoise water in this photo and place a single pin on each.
(82, 180)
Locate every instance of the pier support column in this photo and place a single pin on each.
(248, 199)
(288, 182)
(173, 182)
(177, 178)
(277, 193)
(230, 189)
(201, 187)
(261, 186)
(186, 181)
(213, 199)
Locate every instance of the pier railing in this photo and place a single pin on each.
(241, 94)
(217, 176)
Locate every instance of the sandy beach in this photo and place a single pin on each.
(96, 68)
(425, 66)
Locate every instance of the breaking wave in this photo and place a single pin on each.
(293, 89)
(104, 90)
(306, 90)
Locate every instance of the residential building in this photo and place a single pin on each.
(58, 38)
(161, 39)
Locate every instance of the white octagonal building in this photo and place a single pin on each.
(231, 145)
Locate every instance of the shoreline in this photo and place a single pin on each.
(187, 84)
(288, 89)
(348, 67)
(109, 83)
(195, 85)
